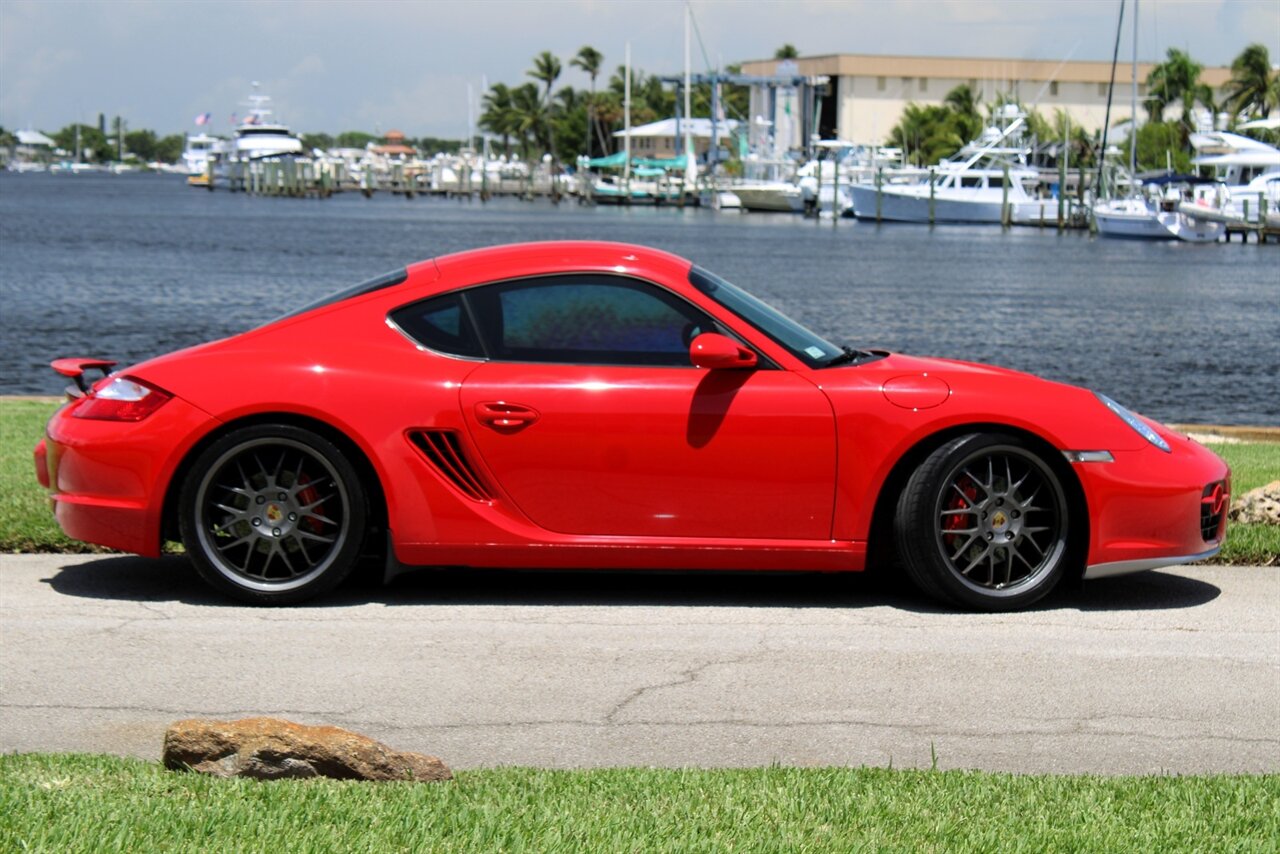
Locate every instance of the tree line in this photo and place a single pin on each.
(537, 117)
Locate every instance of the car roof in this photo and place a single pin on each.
(554, 256)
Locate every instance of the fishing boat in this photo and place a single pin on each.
(986, 182)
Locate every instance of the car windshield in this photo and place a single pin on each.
(812, 349)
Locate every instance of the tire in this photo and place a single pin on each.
(272, 514)
(984, 523)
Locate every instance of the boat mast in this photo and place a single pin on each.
(1133, 107)
(688, 114)
(1106, 122)
(626, 124)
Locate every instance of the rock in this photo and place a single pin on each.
(271, 749)
(1261, 505)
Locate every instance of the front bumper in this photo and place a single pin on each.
(107, 479)
(1126, 567)
(1145, 508)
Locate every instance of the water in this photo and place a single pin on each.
(127, 267)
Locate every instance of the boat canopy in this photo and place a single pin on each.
(613, 161)
(617, 161)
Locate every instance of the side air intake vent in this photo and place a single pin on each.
(442, 450)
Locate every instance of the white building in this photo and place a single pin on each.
(661, 139)
(869, 93)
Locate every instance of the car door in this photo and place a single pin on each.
(591, 418)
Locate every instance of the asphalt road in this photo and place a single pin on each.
(1175, 671)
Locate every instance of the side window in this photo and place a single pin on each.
(586, 319)
(440, 324)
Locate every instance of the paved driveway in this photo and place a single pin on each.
(1171, 671)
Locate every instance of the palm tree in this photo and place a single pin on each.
(1254, 87)
(546, 69)
(965, 106)
(1175, 79)
(787, 51)
(589, 60)
(498, 116)
(528, 117)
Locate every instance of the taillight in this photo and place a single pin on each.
(121, 399)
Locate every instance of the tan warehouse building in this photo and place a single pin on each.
(869, 93)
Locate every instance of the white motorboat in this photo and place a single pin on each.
(985, 183)
(781, 196)
(1144, 219)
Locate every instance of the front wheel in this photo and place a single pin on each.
(272, 514)
(984, 522)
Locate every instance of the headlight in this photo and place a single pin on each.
(1141, 427)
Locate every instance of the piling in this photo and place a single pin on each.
(879, 190)
(932, 189)
(835, 195)
(1005, 214)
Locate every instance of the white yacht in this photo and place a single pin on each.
(1249, 169)
(987, 176)
(195, 156)
(257, 137)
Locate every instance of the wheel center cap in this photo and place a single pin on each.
(273, 513)
(999, 520)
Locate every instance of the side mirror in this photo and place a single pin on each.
(716, 352)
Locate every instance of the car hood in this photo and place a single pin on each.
(938, 393)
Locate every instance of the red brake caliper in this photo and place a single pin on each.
(307, 496)
(959, 521)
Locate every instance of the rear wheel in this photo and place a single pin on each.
(273, 514)
(984, 522)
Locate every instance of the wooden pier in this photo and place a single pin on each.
(291, 178)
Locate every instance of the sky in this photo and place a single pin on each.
(375, 65)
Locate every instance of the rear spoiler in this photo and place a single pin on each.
(75, 368)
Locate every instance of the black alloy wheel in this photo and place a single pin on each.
(273, 514)
(984, 522)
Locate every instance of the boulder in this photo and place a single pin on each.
(270, 749)
(1261, 505)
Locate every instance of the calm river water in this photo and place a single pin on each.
(127, 267)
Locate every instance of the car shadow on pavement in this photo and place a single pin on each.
(173, 579)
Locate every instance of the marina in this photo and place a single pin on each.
(127, 266)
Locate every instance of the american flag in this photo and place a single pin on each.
(204, 118)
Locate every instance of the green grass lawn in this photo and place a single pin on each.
(69, 803)
(27, 526)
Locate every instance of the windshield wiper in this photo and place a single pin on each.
(848, 356)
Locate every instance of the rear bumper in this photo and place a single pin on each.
(107, 480)
(1146, 507)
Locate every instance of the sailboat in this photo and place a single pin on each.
(1158, 214)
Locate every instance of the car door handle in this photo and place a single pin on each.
(505, 416)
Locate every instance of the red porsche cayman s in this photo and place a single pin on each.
(597, 405)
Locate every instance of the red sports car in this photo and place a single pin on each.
(603, 405)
